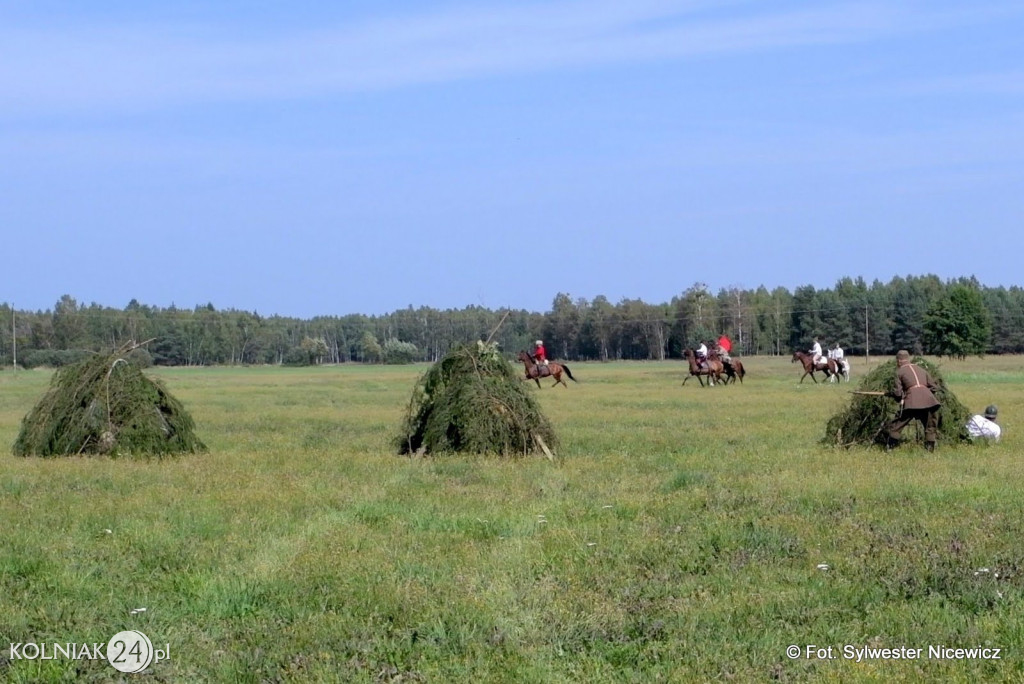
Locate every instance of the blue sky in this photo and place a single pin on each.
(310, 158)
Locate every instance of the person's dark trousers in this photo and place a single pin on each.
(929, 418)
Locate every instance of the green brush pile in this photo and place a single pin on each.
(105, 404)
(473, 400)
(865, 419)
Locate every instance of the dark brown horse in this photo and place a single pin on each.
(712, 369)
(826, 366)
(535, 371)
(733, 369)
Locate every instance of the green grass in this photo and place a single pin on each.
(677, 537)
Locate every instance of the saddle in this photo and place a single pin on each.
(543, 371)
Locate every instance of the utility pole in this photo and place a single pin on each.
(867, 352)
(14, 340)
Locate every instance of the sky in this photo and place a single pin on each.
(325, 158)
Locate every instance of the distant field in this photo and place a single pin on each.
(677, 537)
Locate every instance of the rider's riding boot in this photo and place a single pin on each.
(929, 446)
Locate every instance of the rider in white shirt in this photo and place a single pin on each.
(816, 351)
(836, 353)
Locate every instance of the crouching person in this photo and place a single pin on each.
(982, 427)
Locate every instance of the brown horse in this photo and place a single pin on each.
(733, 369)
(827, 366)
(713, 369)
(535, 371)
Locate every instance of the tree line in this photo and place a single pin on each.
(922, 314)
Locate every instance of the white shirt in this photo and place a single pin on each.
(702, 350)
(836, 353)
(816, 349)
(980, 426)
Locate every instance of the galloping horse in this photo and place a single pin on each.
(713, 370)
(535, 371)
(733, 369)
(827, 366)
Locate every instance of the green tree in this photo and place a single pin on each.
(958, 324)
(600, 328)
(370, 348)
(806, 321)
(562, 327)
(315, 349)
(697, 314)
(396, 351)
(68, 325)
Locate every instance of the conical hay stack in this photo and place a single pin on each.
(474, 401)
(864, 420)
(106, 405)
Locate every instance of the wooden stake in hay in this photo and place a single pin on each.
(865, 420)
(473, 400)
(105, 404)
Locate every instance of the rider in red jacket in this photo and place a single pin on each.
(539, 355)
(724, 344)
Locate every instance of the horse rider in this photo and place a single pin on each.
(839, 356)
(540, 356)
(724, 348)
(816, 352)
(701, 353)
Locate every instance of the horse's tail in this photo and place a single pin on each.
(569, 373)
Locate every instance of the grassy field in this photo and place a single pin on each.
(677, 537)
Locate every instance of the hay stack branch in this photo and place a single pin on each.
(865, 419)
(474, 401)
(106, 405)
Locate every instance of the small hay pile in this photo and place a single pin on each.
(474, 401)
(865, 419)
(105, 404)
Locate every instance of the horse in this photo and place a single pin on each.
(733, 369)
(844, 368)
(713, 370)
(535, 371)
(828, 366)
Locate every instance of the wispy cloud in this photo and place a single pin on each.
(1008, 83)
(117, 67)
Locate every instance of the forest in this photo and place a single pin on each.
(923, 314)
